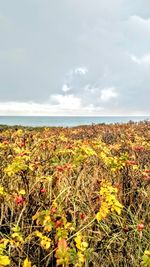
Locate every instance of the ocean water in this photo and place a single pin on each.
(66, 121)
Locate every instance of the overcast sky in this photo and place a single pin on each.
(77, 57)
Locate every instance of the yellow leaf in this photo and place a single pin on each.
(45, 244)
(4, 261)
(48, 228)
(26, 263)
(35, 216)
(81, 257)
(49, 178)
(78, 241)
(38, 234)
(2, 191)
(99, 216)
(85, 244)
(17, 237)
(22, 192)
(117, 209)
(135, 167)
(46, 219)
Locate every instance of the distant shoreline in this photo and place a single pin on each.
(66, 121)
(17, 126)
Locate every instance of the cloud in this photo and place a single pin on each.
(139, 21)
(66, 101)
(73, 74)
(145, 60)
(81, 71)
(108, 93)
(22, 108)
(65, 88)
(61, 107)
(91, 89)
(96, 50)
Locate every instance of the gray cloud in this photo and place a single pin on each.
(45, 47)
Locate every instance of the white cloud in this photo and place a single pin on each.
(66, 101)
(64, 106)
(145, 60)
(60, 109)
(140, 21)
(108, 93)
(95, 51)
(81, 71)
(65, 88)
(90, 89)
(22, 108)
(135, 59)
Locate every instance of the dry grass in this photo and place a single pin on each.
(59, 171)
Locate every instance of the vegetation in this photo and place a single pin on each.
(75, 196)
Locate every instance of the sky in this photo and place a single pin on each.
(75, 57)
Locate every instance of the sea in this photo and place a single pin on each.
(66, 121)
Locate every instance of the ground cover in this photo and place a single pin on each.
(75, 196)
